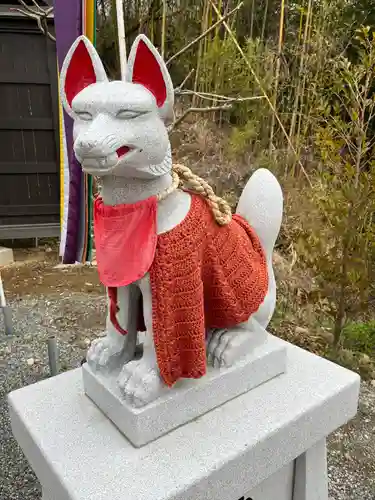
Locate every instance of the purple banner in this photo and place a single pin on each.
(68, 26)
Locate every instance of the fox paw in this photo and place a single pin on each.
(225, 347)
(104, 353)
(140, 383)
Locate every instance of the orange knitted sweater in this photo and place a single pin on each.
(203, 276)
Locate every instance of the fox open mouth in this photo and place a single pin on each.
(122, 151)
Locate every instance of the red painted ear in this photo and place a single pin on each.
(80, 72)
(147, 72)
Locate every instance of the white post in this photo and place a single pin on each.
(6, 310)
(121, 36)
(2, 294)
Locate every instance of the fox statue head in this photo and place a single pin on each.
(120, 127)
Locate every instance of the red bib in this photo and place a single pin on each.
(125, 240)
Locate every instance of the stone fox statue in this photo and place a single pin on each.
(176, 263)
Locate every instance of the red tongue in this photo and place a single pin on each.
(122, 151)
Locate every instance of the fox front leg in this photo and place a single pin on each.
(140, 380)
(114, 349)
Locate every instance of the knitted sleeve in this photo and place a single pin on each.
(177, 294)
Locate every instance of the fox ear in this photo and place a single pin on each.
(146, 67)
(82, 67)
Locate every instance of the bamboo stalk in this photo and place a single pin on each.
(308, 92)
(252, 18)
(163, 30)
(217, 64)
(264, 20)
(303, 100)
(208, 41)
(277, 74)
(259, 83)
(298, 95)
(199, 55)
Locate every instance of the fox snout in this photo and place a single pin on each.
(86, 146)
(89, 148)
(94, 155)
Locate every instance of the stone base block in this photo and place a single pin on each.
(267, 444)
(6, 256)
(189, 399)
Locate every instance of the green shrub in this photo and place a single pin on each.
(360, 337)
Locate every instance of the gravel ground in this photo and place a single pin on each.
(46, 301)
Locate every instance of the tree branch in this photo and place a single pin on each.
(216, 97)
(178, 90)
(38, 14)
(177, 122)
(224, 102)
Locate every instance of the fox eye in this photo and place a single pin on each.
(125, 114)
(84, 115)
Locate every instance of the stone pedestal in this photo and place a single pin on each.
(188, 399)
(266, 444)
